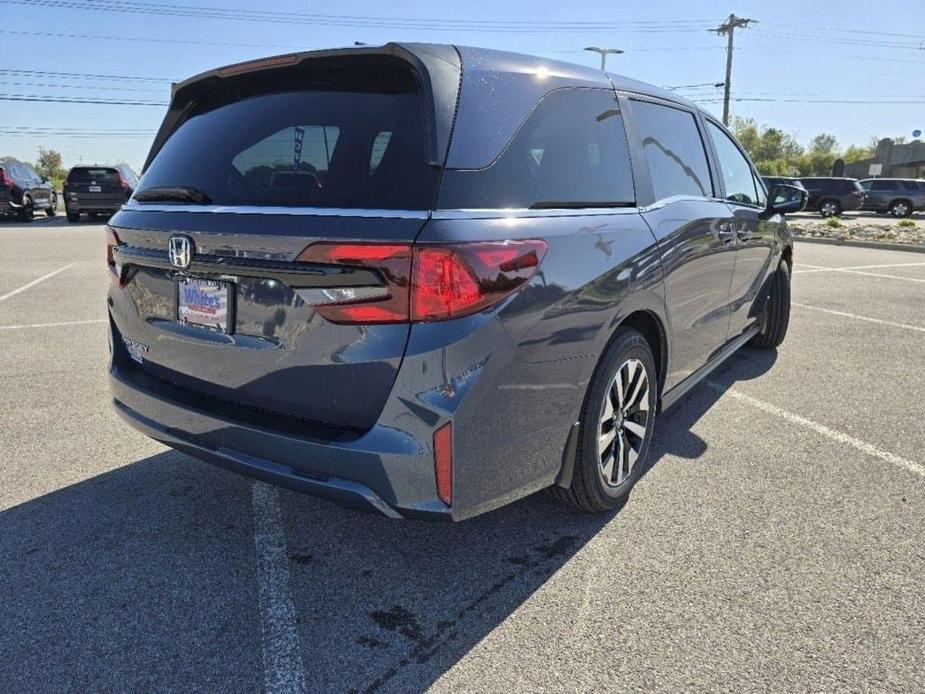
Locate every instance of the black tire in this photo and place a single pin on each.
(900, 208)
(776, 316)
(589, 491)
(830, 208)
(27, 211)
(73, 217)
(53, 210)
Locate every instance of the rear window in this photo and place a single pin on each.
(912, 185)
(343, 149)
(570, 152)
(883, 185)
(97, 175)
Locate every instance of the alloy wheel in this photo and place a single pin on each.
(829, 209)
(900, 209)
(624, 422)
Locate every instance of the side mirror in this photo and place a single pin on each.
(786, 199)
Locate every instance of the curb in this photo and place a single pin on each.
(909, 248)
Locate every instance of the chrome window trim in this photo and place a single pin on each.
(526, 213)
(294, 211)
(474, 213)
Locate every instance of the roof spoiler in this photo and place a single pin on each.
(437, 68)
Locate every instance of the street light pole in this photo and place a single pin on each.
(604, 52)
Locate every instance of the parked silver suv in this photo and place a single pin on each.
(898, 196)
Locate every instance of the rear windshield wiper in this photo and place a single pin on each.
(173, 194)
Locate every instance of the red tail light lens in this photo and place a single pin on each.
(423, 283)
(443, 463)
(462, 279)
(5, 178)
(388, 304)
(115, 271)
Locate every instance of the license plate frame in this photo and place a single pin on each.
(95, 189)
(205, 304)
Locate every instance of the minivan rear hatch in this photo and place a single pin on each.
(224, 255)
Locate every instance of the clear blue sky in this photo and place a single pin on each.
(797, 55)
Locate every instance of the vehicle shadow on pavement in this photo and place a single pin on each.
(391, 606)
(144, 578)
(139, 579)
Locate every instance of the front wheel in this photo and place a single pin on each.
(830, 208)
(27, 211)
(776, 317)
(617, 420)
(73, 217)
(53, 209)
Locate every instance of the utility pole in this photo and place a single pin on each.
(604, 52)
(728, 28)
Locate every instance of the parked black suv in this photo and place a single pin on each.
(832, 196)
(23, 191)
(97, 190)
(898, 196)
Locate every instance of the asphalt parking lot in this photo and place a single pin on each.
(775, 543)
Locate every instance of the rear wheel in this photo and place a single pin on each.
(776, 316)
(53, 209)
(616, 426)
(900, 208)
(73, 217)
(829, 208)
(27, 211)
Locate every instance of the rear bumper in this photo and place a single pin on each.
(93, 202)
(373, 469)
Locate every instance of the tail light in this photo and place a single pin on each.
(123, 183)
(5, 178)
(443, 462)
(115, 271)
(423, 283)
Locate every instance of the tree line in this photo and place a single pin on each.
(776, 153)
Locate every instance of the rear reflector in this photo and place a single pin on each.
(443, 462)
(423, 283)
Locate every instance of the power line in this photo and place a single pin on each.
(386, 22)
(108, 88)
(68, 100)
(96, 37)
(82, 75)
(727, 29)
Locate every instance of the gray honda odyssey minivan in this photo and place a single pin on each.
(428, 280)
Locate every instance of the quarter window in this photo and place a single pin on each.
(570, 152)
(674, 151)
(738, 179)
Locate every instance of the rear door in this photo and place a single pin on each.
(755, 237)
(286, 202)
(41, 196)
(690, 224)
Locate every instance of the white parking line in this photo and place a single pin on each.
(880, 274)
(282, 655)
(822, 268)
(828, 432)
(35, 282)
(52, 325)
(904, 326)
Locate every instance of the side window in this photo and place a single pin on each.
(736, 171)
(296, 157)
(674, 151)
(881, 186)
(570, 152)
(866, 185)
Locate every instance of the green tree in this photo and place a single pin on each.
(773, 151)
(49, 164)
